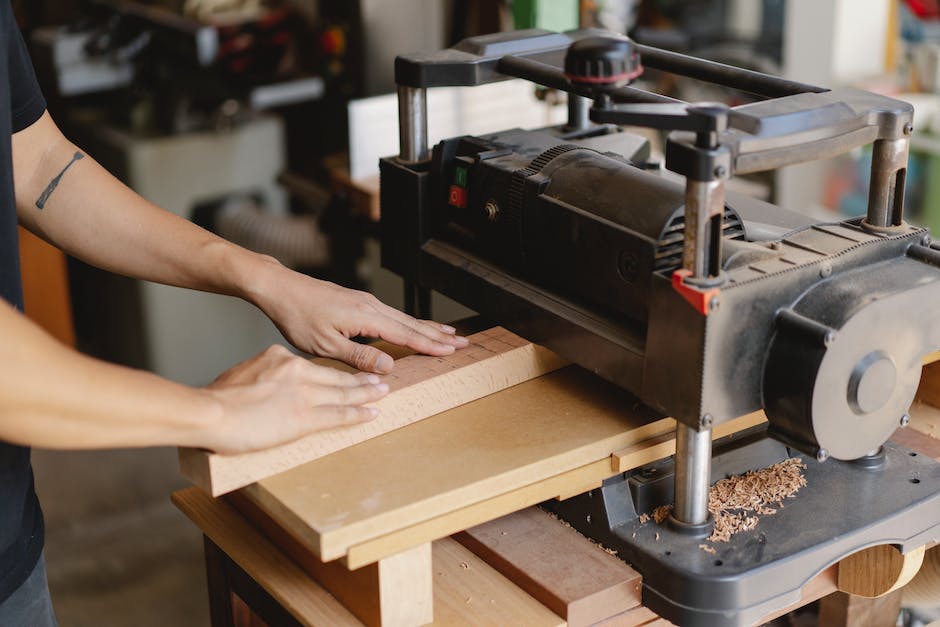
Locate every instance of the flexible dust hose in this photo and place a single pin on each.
(924, 589)
(295, 241)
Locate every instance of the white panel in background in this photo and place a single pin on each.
(452, 111)
(860, 39)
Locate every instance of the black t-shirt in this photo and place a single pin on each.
(21, 104)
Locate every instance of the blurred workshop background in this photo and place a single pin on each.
(264, 120)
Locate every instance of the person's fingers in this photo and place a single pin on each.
(324, 375)
(368, 377)
(329, 395)
(443, 333)
(365, 357)
(343, 416)
(404, 335)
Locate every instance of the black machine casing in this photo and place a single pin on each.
(570, 238)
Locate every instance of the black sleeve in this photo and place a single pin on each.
(26, 101)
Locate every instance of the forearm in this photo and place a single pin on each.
(54, 397)
(78, 206)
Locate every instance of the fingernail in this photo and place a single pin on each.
(448, 348)
(461, 341)
(382, 388)
(384, 364)
(446, 328)
(372, 378)
(373, 411)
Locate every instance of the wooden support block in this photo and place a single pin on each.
(421, 386)
(878, 570)
(841, 609)
(263, 562)
(568, 573)
(396, 590)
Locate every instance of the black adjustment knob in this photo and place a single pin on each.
(608, 61)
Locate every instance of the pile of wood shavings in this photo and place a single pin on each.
(736, 503)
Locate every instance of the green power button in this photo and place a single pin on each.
(460, 177)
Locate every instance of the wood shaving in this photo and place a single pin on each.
(644, 518)
(736, 503)
(465, 565)
(707, 549)
(661, 513)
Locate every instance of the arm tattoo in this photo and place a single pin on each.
(44, 197)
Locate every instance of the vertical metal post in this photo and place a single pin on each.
(704, 212)
(886, 191)
(693, 474)
(412, 124)
(578, 113)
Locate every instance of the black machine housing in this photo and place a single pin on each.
(570, 237)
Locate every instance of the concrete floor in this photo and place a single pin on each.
(118, 553)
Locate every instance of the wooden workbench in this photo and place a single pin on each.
(363, 535)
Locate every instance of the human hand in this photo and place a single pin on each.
(319, 317)
(277, 397)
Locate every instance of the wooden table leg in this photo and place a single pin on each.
(235, 599)
(220, 590)
(840, 609)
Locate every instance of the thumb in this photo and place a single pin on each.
(365, 357)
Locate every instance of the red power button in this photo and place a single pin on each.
(457, 197)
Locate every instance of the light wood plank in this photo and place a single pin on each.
(279, 576)
(565, 571)
(508, 440)
(420, 386)
(575, 481)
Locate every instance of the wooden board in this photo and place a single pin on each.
(421, 386)
(565, 571)
(466, 590)
(516, 438)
